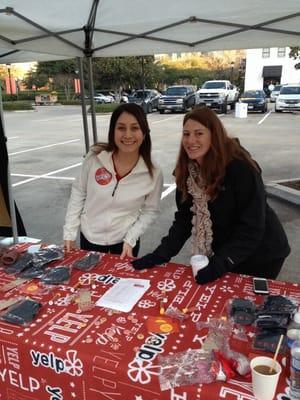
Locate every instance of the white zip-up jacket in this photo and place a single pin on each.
(108, 211)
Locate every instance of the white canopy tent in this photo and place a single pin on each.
(109, 28)
(102, 28)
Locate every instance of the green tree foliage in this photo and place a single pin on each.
(295, 54)
(125, 72)
(58, 75)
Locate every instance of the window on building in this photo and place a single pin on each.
(266, 52)
(281, 52)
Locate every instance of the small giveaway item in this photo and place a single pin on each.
(22, 312)
(57, 276)
(22, 262)
(88, 262)
(161, 325)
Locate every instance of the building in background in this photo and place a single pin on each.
(270, 66)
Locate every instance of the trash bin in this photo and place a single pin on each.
(241, 110)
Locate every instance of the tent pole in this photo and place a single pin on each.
(9, 185)
(91, 89)
(83, 105)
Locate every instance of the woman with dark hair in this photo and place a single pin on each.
(222, 204)
(117, 194)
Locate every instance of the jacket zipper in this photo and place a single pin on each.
(115, 188)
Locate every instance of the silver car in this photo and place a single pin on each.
(288, 99)
(275, 92)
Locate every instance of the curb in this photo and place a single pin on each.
(283, 192)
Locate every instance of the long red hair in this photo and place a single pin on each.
(223, 149)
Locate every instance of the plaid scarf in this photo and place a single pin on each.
(202, 234)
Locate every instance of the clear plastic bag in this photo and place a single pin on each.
(174, 312)
(87, 262)
(21, 312)
(22, 262)
(186, 368)
(58, 275)
(48, 254)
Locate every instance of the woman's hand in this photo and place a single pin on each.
(127, 251)
(70, 245)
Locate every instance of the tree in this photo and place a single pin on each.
(119, 73)
(295, 54)
(59, 75)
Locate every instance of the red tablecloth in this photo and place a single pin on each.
(100, 354)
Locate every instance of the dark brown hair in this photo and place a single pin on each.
(139, 114)
(223, 149)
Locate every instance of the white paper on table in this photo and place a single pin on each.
(124, 295)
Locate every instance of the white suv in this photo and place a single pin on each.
(288, 99)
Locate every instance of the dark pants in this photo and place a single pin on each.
(268, 269)
(113, 249)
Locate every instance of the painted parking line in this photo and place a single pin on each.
(67, 178)
(266, 116)
(13, 137)
(36, 177)
(165, 119)
(31, 178)
(43, 147)
(168, 191)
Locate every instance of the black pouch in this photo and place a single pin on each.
(22, 312)
(22, 262)
(87, 262)
(267, 339)
(242, 311)
(57, 275)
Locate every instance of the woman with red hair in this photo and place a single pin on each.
(222, 204)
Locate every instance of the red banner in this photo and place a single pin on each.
(10, 85)
(77, 85)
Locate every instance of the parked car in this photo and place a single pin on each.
(275, 92)
(288, 99)
(100, 99)
(256, 100)
(149, 97)
(177, 98)
(217, 94)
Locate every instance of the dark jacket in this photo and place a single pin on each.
(247, 234)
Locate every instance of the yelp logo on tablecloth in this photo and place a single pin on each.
(141, 368)
(70, 365)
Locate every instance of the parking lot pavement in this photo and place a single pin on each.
(46, 148)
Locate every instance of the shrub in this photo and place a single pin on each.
(105, 108)
(17, 105)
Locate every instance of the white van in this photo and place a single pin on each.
(288, 99)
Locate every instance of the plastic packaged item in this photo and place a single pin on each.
(267, 339)
(242, 311)
(174, 312)
(48, 254)
(22, 312)
(22, 262)
(292, 334)
(295, 371)
(57, 276)
(88, 262)
(33, 271)
(186, 368)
